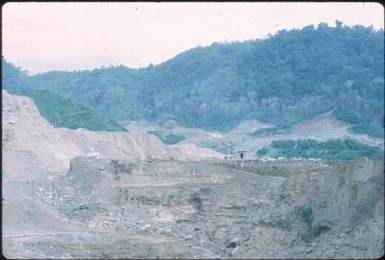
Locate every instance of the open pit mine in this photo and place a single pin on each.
(83, 194)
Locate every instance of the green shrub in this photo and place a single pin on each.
(266, 131)
(169, 138)
(225, 148)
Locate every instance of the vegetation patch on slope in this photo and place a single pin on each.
(337, 149)
(168, 138)
(64, 113)
(225, 148)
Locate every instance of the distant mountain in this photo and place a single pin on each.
(286, 78)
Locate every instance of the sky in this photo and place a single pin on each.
(41, 37)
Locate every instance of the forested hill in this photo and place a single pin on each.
(283, 79)
(53, 107)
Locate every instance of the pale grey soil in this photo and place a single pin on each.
(215, 208)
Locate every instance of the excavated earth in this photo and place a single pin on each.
(106, 208)
(81, 194)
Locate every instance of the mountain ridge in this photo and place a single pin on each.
(281, 80)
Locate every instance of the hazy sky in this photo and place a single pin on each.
(69, 36)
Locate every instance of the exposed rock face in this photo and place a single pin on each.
(27, 135)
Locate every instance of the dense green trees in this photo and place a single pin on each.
(280, 80)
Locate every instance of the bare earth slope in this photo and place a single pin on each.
(131, 196)
(27, 135)
(321, 128)
(33, 152)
